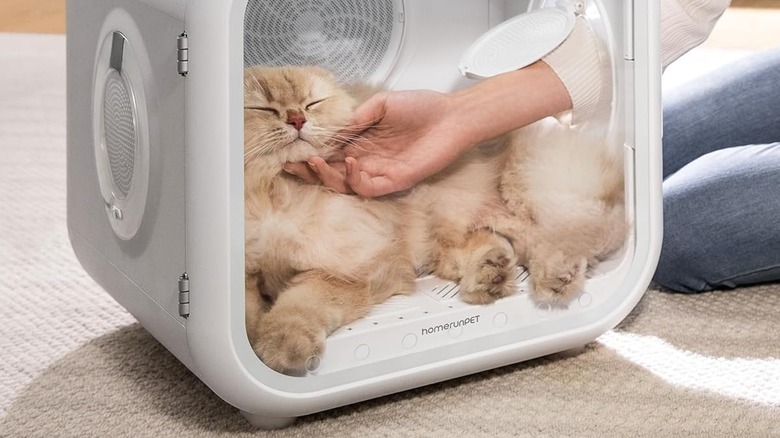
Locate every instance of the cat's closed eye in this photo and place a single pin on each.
(311, 105)
(263, 108)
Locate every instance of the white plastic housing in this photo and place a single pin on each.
(196, 185)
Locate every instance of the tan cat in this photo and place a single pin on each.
(317, 259)
(565, 190)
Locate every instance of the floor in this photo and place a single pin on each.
(748, 24)
(35, 16)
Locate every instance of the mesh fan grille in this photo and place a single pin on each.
(349, 37)
(119, 128)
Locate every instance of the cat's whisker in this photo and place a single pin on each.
(360, 127)
(333, 138)
(343, 141)
(256, 152)
(265, 143)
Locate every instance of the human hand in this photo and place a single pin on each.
(317, 171)
(399, 138)
(396, 139)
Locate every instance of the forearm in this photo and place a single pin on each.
(506, 102)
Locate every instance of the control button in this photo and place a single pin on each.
(500, 320)
(585, 299)
(313, 364)
(410, 341)
(455, 331)
(362, 352)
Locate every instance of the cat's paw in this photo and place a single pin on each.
(558, 278)
(285, 342)
(489, 275)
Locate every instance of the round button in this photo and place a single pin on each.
(313, 364)
(455, 331)
(362, 352)
(409, 341)
(585, 299)
(500, 320)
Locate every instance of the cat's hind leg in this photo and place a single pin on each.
(561, 254)
(557, 274)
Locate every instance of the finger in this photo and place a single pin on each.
(302, 171)
(372, 187)
(363, 184)
(352, 175)
(331, 174)
(370, 112)
(373, 164)
(360, 147)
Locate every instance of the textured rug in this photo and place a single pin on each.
(75, 364)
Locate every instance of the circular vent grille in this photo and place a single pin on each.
(120, 124)
(353, 38)
(119, 128)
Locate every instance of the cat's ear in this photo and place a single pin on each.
(254, 77)
(249, 77)
(323, 73)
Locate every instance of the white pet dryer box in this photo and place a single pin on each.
(155, 183)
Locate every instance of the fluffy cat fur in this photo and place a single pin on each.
(316, 259)
(564, 189)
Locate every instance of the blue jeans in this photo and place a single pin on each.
(722, 178)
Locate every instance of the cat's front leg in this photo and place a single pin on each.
(482, 265)
(254, 306)
(487, 275)
(295, 328)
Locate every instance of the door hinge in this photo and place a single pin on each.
(184, 295)
(182, 54)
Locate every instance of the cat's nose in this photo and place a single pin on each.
(296, 118)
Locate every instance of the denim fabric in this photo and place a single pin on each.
(722, 178)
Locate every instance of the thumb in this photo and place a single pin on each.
(365, 117)
(372, 110)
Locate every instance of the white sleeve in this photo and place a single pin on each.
(687, 23)
(684, 25)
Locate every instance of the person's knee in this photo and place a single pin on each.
(682, 252)
(676, 273)
(720, 215)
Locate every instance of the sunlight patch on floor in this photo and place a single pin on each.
(750, 379)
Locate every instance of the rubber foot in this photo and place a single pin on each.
(266, 422)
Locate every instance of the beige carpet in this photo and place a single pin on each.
(74, 364)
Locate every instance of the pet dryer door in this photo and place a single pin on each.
(126, 153)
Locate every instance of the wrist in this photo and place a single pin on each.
(579, 64)
(503, 103)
